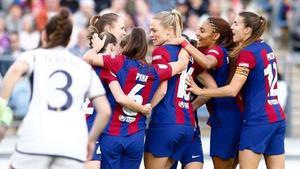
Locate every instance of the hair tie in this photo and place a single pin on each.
(261, 18)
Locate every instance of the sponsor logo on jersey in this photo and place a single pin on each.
(156, 57)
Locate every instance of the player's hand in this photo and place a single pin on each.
(193, 87)
(6, 115)
(147, 108)
(90, 149)
(98, 43)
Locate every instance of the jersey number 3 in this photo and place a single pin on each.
(64, 89)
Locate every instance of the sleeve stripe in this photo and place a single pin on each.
(99, 95)
(213, 51)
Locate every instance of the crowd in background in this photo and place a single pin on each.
(21, 23)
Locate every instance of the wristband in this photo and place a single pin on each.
(184, 43)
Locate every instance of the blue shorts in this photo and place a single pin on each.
(267, 139)
(168, 140)
(118, 152)
(224, 141)
(193, 153)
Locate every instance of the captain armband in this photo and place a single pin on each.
(242, 71)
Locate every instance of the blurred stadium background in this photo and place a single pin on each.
(21, 22)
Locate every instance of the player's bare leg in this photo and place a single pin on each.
(275, 161)
(248, 159)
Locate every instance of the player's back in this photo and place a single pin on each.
(260, 90)
(139, 81)
(60, 82)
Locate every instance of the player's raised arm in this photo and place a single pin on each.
(181, 63)
(92, 56)
(205, 61)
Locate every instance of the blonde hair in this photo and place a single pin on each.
(171, 18)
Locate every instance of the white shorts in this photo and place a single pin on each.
(27, 161)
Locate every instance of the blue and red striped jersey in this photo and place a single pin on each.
(224, 110)
(105, 77)
(175, 107)
(139, 81)
(260, 89)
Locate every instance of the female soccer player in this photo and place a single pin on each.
(171, 125)
(54, 132)
(256, 71)
(108, 22)
(122, 142)
(215, 39)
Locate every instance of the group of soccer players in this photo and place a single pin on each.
(237, 69)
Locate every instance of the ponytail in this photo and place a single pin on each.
(98, 23)
(173, 19)
(258, 25)
(178, 22)
(59, 29)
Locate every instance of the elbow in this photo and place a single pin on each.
(108, 113)
(233, 93)
(210, 63)
(17, 70)
(208, 66)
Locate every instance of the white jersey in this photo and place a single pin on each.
(55, 123)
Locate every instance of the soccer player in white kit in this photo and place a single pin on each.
(54, 133)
